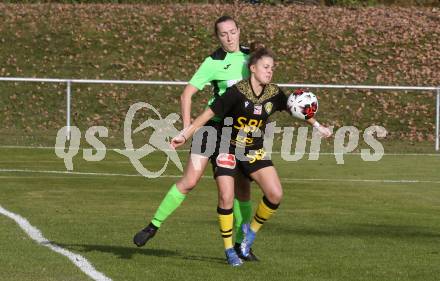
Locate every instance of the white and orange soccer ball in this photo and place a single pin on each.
(302, 104)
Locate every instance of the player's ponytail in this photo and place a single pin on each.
(255, 46)
(258, 53)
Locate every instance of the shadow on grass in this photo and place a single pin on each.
(128, 252)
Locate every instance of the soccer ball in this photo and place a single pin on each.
(302, 105)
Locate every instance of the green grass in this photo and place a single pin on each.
(332, 229)
(337, 222)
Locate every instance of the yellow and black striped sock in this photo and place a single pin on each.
(226, 219)
(264, 211)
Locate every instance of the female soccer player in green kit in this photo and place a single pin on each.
(223, 68)
(249, 103)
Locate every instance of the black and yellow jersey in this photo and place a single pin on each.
(249, 112)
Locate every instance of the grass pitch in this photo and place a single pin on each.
(357, 221)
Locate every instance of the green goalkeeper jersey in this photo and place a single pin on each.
(222, 70)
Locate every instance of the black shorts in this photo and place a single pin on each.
(206, 140)
(227, 164)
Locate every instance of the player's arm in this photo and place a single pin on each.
(219, 107)
(323, 130)
(186, 133)
(202, 77)
(185, 104)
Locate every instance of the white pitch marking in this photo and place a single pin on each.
(59, 161)
(36, 235)
(187, 150)
(208, 177)
(69, 173)
(361, 180)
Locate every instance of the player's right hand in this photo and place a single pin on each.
(324, 131)
(177, 141)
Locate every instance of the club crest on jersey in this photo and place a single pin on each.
(268, 107)
(258, 108)
(226, 160)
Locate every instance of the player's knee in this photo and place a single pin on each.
(185, 185)
(226, 200)
(191, 183)
(279, 196)
(275, 196)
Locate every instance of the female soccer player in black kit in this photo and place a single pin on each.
(249, 103)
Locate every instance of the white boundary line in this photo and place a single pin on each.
(187, 150)
(208, 177)
(35, 234)
(71, 173)
(61, 161)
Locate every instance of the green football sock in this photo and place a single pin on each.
(169, 204)
(242, 215)
(238, 219)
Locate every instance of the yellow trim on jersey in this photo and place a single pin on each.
(245, 88)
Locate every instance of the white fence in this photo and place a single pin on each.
(68, 82)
